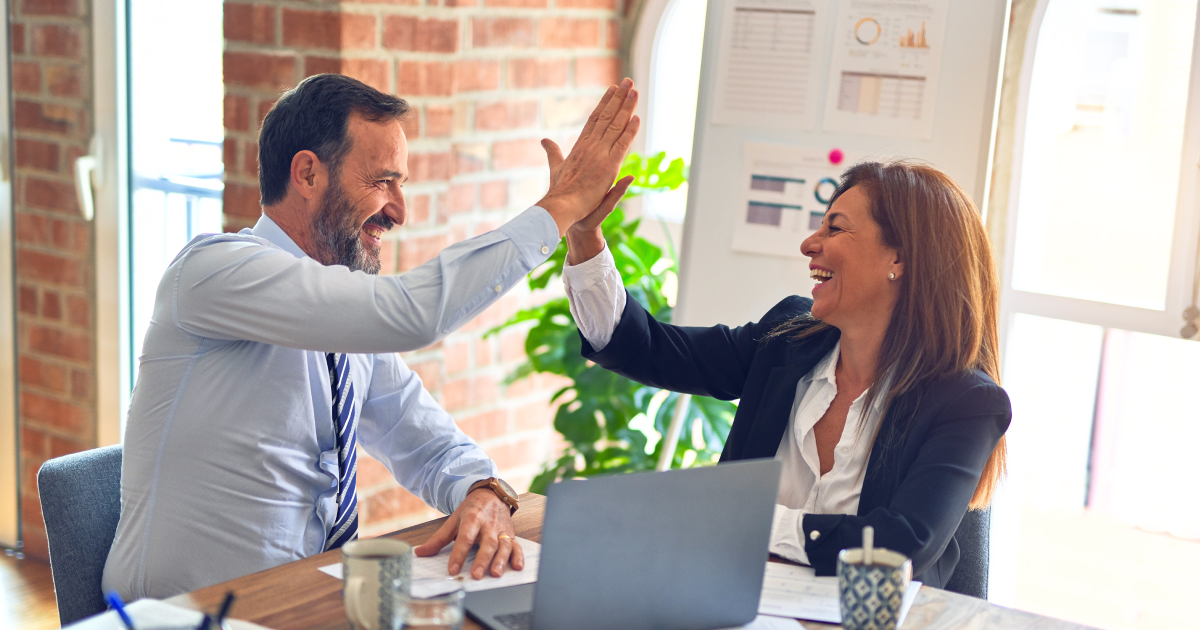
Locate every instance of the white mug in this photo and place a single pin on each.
(375, 574)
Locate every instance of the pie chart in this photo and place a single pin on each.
(867, 31)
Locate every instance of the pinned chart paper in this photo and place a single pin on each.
(434, 567)
(785, 193)
(766, 75)
(797, 592)
(887, 55)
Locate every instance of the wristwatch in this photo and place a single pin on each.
(502, 490)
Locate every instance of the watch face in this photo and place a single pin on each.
(507, 488)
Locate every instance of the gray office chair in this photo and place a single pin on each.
(81, 504)
(974, 537)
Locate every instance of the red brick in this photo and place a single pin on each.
(51, 305)
(418, 209)
(60, 343)
(18, 38)
(371, 473)
(597, 71)
(33, 229)
(465, 393)
(81, 384)
(49, 268)
(34, 443)
(389, 251)
(64, 80)
(470, 158)
(27, 300)
(537, 73)
(475, 75)
(462, 198)
(483, 227)
(390, 504)
(457, 3)
(237, 112)
(612, 40)
(430, 373)
(229, 154)
(51, 412)
(241, 200)
(428, 167)
(501, 32)
(416, 251)
(517, 153)
(404, 32)
(43, 117)
(493, 195)
(568, 33)
(438, 121)
(51, 195)
(485, 426)
(456, 357)
(37, 373)
(524, 4)
(263, 108)
(62, 446)
(534, 417)
(334, 30)
(250, 160)
(49, 7)
(253, 23)
(79, 311)
(56, 40)
(516, 454)
(512, 346)
(483, 347)
(423, 78)
(27, 77)
(500, 115)
(374, 72)
(267, 71)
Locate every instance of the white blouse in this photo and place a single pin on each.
(597, 297)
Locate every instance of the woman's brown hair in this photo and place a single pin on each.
(945, 321)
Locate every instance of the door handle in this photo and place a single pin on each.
(87, 170)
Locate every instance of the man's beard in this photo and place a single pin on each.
(338, 240)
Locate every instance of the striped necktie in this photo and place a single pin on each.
(345, 526)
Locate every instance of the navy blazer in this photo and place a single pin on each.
(924, 465)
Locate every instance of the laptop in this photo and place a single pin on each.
(679, 549)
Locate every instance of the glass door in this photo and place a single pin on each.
(1100, 267)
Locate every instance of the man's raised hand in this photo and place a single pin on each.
(580, 182)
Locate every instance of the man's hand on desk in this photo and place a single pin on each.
(484, 519)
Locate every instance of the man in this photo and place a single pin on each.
(271, 353)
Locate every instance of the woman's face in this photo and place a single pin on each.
(851, 266)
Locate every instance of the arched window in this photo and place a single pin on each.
(667, 61)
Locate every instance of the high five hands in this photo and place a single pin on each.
(581, 191)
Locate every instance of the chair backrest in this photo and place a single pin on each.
(974, 538)
(81, 504)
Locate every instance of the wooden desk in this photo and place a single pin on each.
(296, 596)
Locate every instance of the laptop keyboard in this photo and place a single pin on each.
(517, 621)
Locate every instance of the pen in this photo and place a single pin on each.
(224, 609)
(114, 602)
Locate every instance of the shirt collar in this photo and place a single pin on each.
(270, 230)
(827, 367)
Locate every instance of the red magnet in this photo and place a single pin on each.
(836, 156)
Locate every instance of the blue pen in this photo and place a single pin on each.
(114, 602)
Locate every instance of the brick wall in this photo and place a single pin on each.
(55, 346)
(487, 79)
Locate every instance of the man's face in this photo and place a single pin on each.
(363, 199)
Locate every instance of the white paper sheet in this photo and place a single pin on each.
(785, 193)
(887, 56)
(792, 591)
(767, 622)
(153, 613)
(434, 567)
(766, 75)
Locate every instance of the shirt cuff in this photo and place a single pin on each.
(586, 274)
(787, 534)
(458, 492)
(534, 233)
(596, 295)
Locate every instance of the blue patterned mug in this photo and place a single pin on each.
(375, 578)
(871, 594)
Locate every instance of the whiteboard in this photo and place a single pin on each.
(720, 285)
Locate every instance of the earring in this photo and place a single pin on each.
(891, 276)
(310, 179)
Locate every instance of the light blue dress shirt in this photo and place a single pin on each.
(230, 465)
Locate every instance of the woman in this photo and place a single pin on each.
(879, 394)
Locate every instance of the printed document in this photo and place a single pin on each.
(797, 592)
